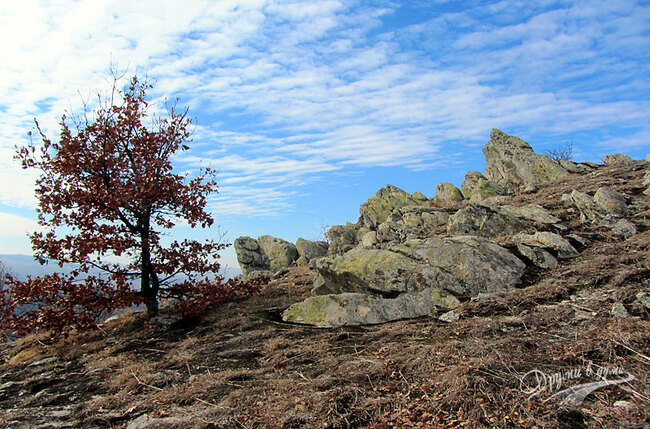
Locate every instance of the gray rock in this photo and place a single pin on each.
(624, 228)
(644, 299)
(447, 194)
(619, 310)
(369, 240)
(464, 266)
(537, 256)
(476, 187)
(468, 265)
(512, 162)
(617, 159)
(646, 179)
(280, 253)
(377, 209)
(352, 309)
(548, 240)
(485, 221)
(611, 202)
(250, 256)
(449, 317)
(342, 238)
(589, 210)
(647, 158)
(308, 250)
(533, 213)
(575, 168)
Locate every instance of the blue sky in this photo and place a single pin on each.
(308, 107)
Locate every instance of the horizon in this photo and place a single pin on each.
(307, 108)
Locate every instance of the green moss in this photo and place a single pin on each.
(313, 310)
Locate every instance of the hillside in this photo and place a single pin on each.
(243, 367)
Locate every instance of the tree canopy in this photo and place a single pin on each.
(106, 194)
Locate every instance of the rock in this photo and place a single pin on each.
(352, 309)
(141, 422)
(513, 163)
(549, 240)
(624, 228)
(447, 194)
(647, 158)
(611, 201)
(342, 238)
(450, 316)
(533, 213)
(537, 256)
(250, 256)
(646, 179)
(619, 310)
(468, 265)
(617, 159)
(644, 299)
(463, 266)
(412, 222)
(485, 221)
(575, 168)
(308, 250)
(589, 210)
(377, 209)
(476, 187)
(280, 253)
(369, 240)
(44, 361)
(419, 197)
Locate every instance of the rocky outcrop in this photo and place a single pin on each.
(309, 250)
(280, 253)
(476, 187)
(617, 159)
(486, 221)
(513, 163)
(549, 240)
(250, 256)
(447, 194)
(342, 238)
(377, 209)
(362, 309)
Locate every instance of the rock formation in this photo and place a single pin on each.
(409, 255)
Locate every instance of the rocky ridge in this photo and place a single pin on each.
(409, 255)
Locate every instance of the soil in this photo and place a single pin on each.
(241, 367)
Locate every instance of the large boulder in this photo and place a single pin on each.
(447, 194)
(464, 266)
(280, 253)
(513, 163)
(308, 250)
(549, 240)
(486, 221)
(250, 256)
(617, 159)
(342, 238)
(377, 209)
(353, 309)
(533, 213)
(477, 187)
(611, 202)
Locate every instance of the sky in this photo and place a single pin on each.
(307, 107)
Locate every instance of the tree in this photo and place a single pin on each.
(107, 189)
(564, 152)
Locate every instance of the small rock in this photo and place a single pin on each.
(447, 193)
(44, 361)
(623, 404)
(611, 201)
(140, 423)
(550, 240)
(644, 299)
(619, 310)
(624, 228)
(450, 316)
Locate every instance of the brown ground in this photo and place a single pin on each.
(241, 368)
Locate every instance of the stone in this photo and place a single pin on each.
(418, 221)
(308, 250)
(574, 167)
(617, 159)
(449, 317)
(611, 201)
(476, 187)
(647, 158)
(280, 253)
(646, 179)
(377, 209)
(589, 210)
(513, 163)
(644, 299)
(537, 256)
(533, 213)
(353, 309)
(624, 228)
(549, 240)
(250, 256)
(369, 240)
(447, 194)
(467, 265)
(619, 310)
(342, 238)
(485, 221)
(464, 266)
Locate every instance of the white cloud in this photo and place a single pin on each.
(17, 226)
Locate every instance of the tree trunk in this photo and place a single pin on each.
(148, 291)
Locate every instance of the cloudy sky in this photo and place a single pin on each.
(308, 107)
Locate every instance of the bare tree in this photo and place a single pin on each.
(564, 152)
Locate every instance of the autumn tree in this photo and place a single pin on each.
(107, 192)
